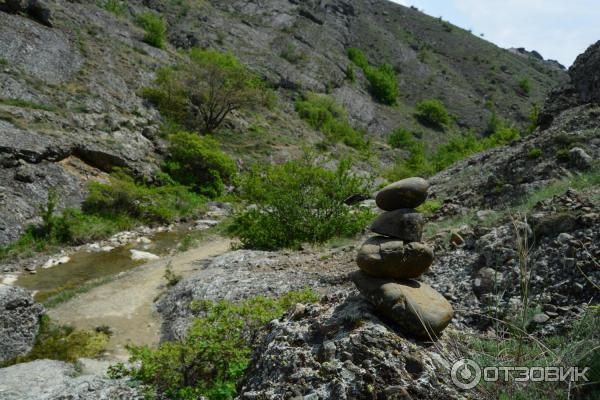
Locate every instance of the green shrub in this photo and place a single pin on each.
(116, 7)
(64, 343)
(534, 153)
(324, 114)
(358, 57)
(525, 85)
(350, 75)
(198, 162)
(215, 353)
(383, 83)
(401, 138)
(432, 112)
(125, 198)
(200, 92)
(533, 117)
(298, 202)
(155, 29)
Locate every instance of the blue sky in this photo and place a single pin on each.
(558, 29)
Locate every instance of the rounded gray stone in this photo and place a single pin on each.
(404, 224)
(390, 258)
(418, 309)
(407, 193)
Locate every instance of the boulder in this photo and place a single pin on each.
(403, 224)
(552, 224)
(390, 258)
(407, 193)
(580, 159)
(488, 280)
(19, 322)
(415, 307)
(50, 380)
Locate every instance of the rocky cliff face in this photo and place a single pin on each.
(70, 73)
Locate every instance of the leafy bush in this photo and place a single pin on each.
(297, 202)
(116, 7)
(350, 75)
(203, 90)
(324, 114)
(534, 153)
(64, 343)
(198, 162)
(214, 354)
(432, 112)
(383, 83)
(525, 85)
(123, 197)
(358, 57)
(155, 28)
(401, 138)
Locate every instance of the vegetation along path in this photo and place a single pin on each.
(126, 303)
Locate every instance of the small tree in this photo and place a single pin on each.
(203, 90)
(155, 29)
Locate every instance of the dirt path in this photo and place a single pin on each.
(126, 304)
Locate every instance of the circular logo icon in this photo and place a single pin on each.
(466, 373)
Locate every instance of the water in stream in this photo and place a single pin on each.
(86, 266)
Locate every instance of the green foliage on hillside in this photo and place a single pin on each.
(459, 146)
(297, 202)
(116, 7)
(204, 88)
(215, 353)
(432, 113)
(401, 138)
(198, 163)
(324, 114)
(155, 29)
(123, 197)
(383, 83)
(525, 85)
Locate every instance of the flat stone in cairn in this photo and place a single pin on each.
(407, 193)
(405, 224)
(417, 308)
(391, 258)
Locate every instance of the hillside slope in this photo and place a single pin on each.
(70, 74)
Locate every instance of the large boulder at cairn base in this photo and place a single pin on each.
(19, 322)
(383, 257)
(407, 193)
(404, 224)
(415, 307)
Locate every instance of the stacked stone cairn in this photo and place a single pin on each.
(391, 261)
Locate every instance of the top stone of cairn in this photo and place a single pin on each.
(407, 193)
